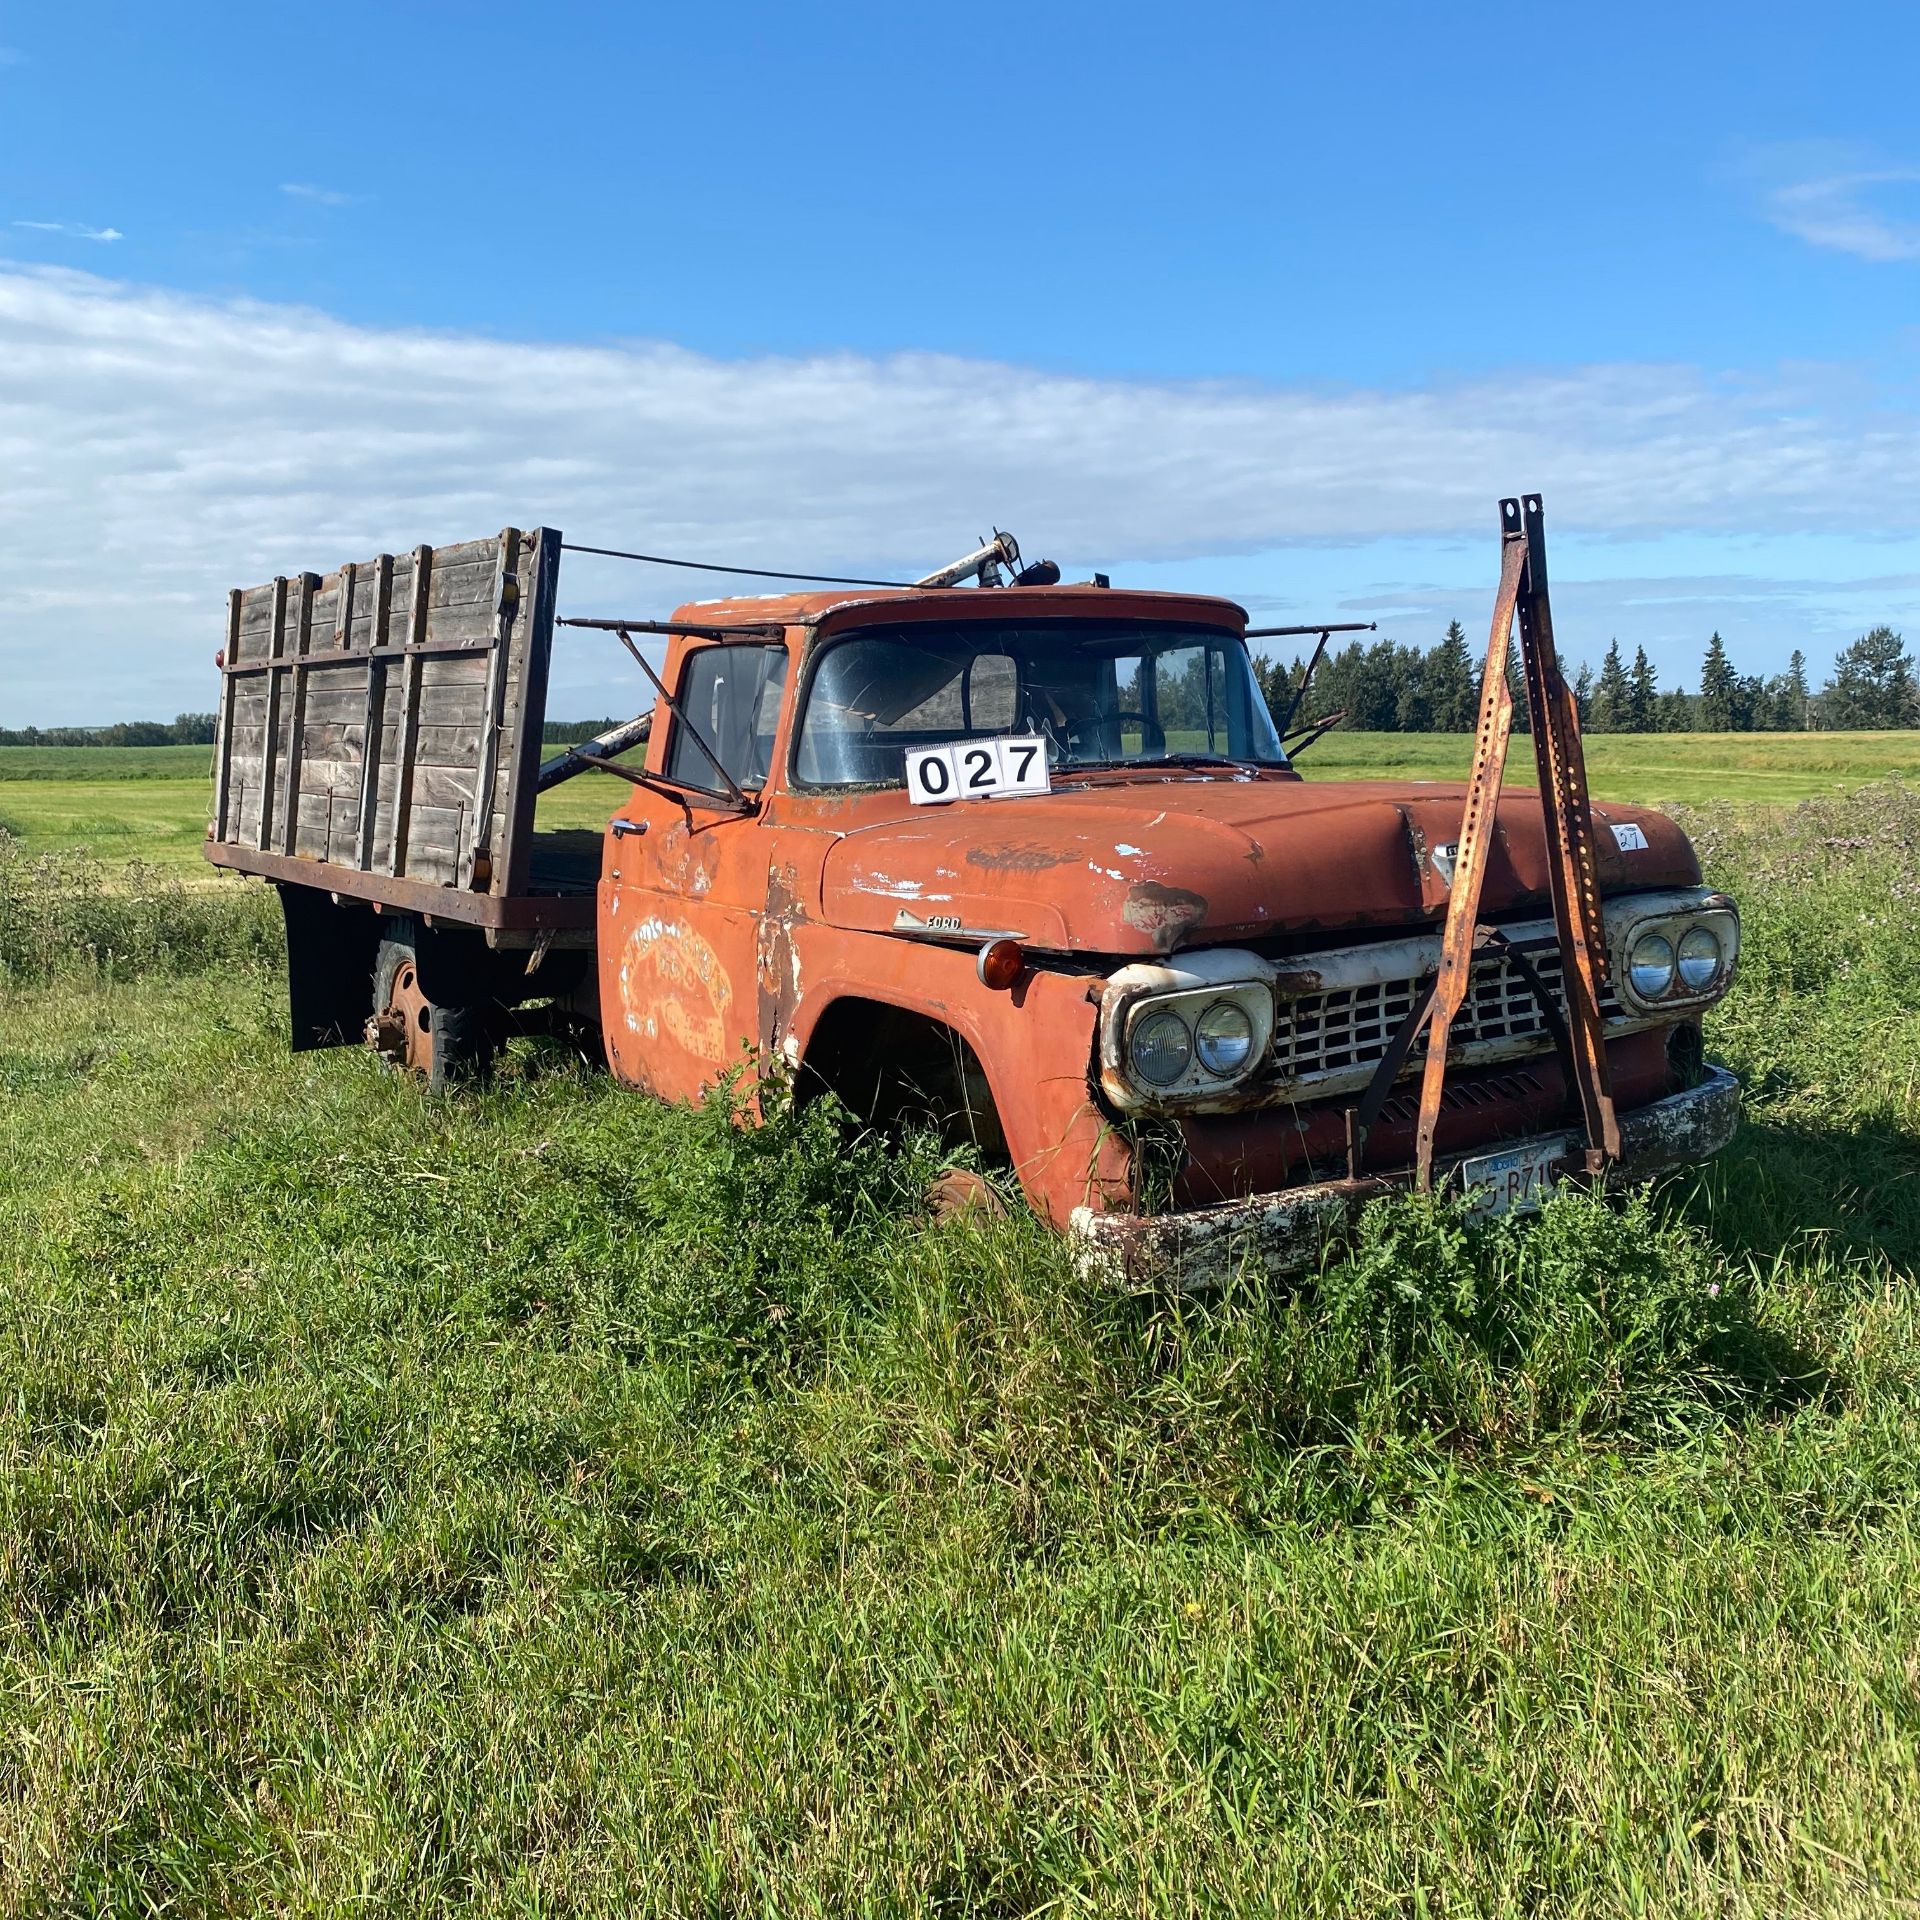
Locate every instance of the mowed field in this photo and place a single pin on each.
(150, 803)
(545, 1502)
(1693, 769)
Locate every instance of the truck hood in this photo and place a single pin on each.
(1140, 868)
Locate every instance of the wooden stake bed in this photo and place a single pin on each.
(380, 728)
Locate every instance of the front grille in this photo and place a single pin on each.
(1341, 1035)
(1465, 1096)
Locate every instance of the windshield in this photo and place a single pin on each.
(1100, 696)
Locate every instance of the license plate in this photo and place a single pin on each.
(1517, 1181)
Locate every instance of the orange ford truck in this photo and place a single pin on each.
(1029, 860)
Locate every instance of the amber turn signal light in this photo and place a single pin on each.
(1001, 963)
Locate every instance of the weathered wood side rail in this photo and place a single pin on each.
(380, 726)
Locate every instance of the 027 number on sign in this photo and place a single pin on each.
(977, 769)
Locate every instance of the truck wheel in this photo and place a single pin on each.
(962, 1194)
(447, 1045)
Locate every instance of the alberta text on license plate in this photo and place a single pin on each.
(1516, 1181)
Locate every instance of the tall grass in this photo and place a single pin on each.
(69, 915)
(1822, 1026)
(548, 1502)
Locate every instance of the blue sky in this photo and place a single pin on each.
(1274, 301)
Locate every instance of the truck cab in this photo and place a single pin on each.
(1151, 969)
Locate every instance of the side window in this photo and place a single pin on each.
(732, 696)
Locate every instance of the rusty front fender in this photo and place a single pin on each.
(1035, 1044)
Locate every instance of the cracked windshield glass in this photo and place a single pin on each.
(1117, 696)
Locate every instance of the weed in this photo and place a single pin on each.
(69, 915)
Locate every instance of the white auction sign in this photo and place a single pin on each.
(977, 769)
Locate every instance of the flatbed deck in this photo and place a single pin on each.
(559, 898)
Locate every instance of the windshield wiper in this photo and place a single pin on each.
(1149, 763)
(1201, 760)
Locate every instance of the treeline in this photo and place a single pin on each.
(183, 730)
(1387, 687)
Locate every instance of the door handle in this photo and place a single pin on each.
(621, 828)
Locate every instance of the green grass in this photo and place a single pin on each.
(1777, 769)
(546, 1502)
(92, 765)
(156, 820)
(121, 803)
(150, 803)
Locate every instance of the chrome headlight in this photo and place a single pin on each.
(1223, 1037)
(1672, 950)
(1159, 1049)
(1700, 959)
(1185, 1031)
(1650, 966)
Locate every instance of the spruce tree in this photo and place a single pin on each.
(1270, 677)
(1612, 696)
(1872, 684)
(1455, 688)
(1719, 690)
(1350, 682)
(1795, 713)
(1643, 694)
(1311, 704)
(1413, 694)
(1336, 687)
(1583, 696)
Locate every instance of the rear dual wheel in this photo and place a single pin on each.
(446, 1045)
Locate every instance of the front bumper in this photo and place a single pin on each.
(1284, 1232)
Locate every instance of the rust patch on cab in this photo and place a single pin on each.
(1027, 858)
(1162, 913)
(776, 959)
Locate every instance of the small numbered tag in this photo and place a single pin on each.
(1629, 839)
(977, 769)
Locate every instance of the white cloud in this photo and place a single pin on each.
(320, 196)
(71, 229)
(1838, 211)
(157, 448)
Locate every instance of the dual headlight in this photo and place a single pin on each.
(1163, 1046)
(1678, 958)
(1185, 1029)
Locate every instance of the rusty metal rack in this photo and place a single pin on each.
(1577, 1028)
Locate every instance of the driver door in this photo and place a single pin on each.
(685, 877)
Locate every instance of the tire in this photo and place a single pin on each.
(463, 1048)
(448, 1046)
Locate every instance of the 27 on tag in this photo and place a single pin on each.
(1629, 839)
(977, 769)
